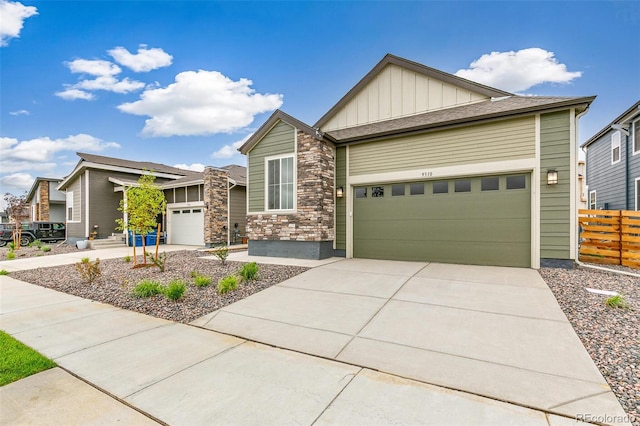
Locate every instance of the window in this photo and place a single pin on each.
(635, 126)
(377, 191)
(197, 210)
(462, 186)
(361, 192)
(516, 182)
(490, 184)
(416, 189)
(186, 211)
(176, 212)
(592, 200)
(280, 183)
(615, 148)
(70, 206)
(440, 187)
(397, 190)
(638, 194)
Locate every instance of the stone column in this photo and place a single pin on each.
(216, 215)
(43, 207)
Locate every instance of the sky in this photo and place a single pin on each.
(184, 83)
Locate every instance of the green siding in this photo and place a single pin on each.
(341, 203)
(278, 141)
(497, 141)
(555, 200)
(476, 227)
(238, 209)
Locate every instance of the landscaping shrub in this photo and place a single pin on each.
(221, 253)
(227, 284)
(249, 271)
(11, 255)
(147, 288)
(89, 270)
(11, 246)
(4, 272)
(127, 259)
(201, 280)
(35, 243)
(45, 249)
(159, 262)
(175, 290)
(617, 301)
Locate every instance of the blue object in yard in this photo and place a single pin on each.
(138, 240)
(151, 239)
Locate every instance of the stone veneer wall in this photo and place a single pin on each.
(314, 217)
(42, 209)
(216, 192)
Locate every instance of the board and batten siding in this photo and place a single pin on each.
(496, 141)
(238, 209)
(279, 140)
(603, 177)
(76, 229)
(555, 200)
(398, 92)
(341, 203)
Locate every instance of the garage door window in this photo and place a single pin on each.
(517, 182)
(416, 189)
(462, 186)
(440, 187)
(397, 190)
(361, 192)
(377, 191)
(490, 184)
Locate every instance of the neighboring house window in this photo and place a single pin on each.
(280, 185)
(69, 206)
(615, 148)
(638, 194)
(592, 200)
(636, 136)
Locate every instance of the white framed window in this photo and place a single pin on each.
(280, 183)
(69, 206)
(635, 136)
(615, 148)
(637, 194)
(592, 200)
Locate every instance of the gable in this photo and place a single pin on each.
(399, 92)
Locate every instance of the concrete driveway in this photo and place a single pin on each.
(490, 331)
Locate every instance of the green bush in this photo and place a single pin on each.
(221, 253)
(147, 288)
(160, 262)
(227, 284)
(249, 271)
(11, 255)
(4, 272)
(194, 274)
(127, 259)
(89, 270)
(11, 246)
(201, 280)
(175, 290)
(617, 301)
(45, 249)
(35, 243)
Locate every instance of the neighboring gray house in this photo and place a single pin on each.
(46, 203)
(417, 164)
(613, 163)
(202, 207)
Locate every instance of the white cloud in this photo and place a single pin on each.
(518, 71)
(17, 181)
(93, 67)
(110, 84)
(13, 15)
(145, 60)
(70, 94)
(20, 112)
(195, 167)
(200, 103)
(42, 150)
(229, 151)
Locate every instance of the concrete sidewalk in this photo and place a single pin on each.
(182, 374)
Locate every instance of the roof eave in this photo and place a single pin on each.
(628, 115)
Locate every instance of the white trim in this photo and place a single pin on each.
(266, 183)
(86, 196)
(633, 137)
(535, 196)
(637, 193)
(349, 207)
(573, 178)
(595, 201)
(495, 167)
(615, 140)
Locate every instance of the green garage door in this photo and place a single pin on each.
(480, 221)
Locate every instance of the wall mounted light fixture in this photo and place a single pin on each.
(552, 177)
(339, 192)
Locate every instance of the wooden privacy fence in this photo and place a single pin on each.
(610, 236)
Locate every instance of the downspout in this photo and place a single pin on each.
(626, 172)
(576, 226)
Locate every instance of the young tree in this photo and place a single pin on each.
(142, 205)
(18, 211)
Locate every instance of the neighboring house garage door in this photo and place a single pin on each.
(480, 220)
(187, 226)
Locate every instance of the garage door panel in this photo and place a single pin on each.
(187, 226)
(476, 227)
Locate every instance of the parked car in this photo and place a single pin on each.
(48, 232)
